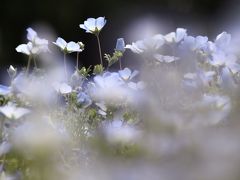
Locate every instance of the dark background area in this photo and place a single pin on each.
(206, 17)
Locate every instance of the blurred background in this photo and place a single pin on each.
(131, 19)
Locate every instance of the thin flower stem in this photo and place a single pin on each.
(100, 50)
(77, 60)
(28, 65)
(65, 64)
(35, 62)
(120, 63)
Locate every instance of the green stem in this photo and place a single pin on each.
(99, 48)
(28, 65)
(65, 64)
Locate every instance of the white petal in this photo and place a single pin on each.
(170, 37)
(31, 35)
(90, 24)
(180, 34)
(23, 48)
(65, 89)
(125, 74)
(61, 43)
(100, 22)
(73, 47)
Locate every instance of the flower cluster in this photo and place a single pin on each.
(53, 118)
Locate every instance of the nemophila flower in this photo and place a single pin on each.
(201, 78)
(120, 45)
(11, 111)
(147, 45)
(25, 48)
(4, 90)
(176, 37)
(126, 74)
(67, 47)
(84, 100)
(117, 131)
(165, 59)
(137, 86)
(92, 25)
(62, 88)
(32, 36)
(195, 43)
(223, 40)
(108, 82)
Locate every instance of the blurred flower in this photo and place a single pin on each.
(11, 111)
(32, 36)
(116, 131)
(126, 74)
(198, 43)
(147, 45)
(165, 59)
(62, 88)
(137, 86)
(12, 72)
(94, 26)
(84, 100)
(67, 47)
(176, 37)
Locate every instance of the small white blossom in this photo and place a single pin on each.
(92, 25)
(176, 37)
(67, 47)
(126, 74)
(13, 112)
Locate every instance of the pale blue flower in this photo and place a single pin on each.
(126, 74)
(92, 25)
(120, 45)
(147, 45)
(67, 47)
(84, 100)
(166, 59)
(62, 88)
(176, 37)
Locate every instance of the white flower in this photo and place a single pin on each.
(176, 37)
(67, 47)
(166, 59)
(84, 100)
(200, 42)
(62, 88)
(137, 86)
(32, 36)
(223, 40)
(25, 48)
(126, 74)
(147, 45)
(116, 131)
(13, 112)
(92, 25)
